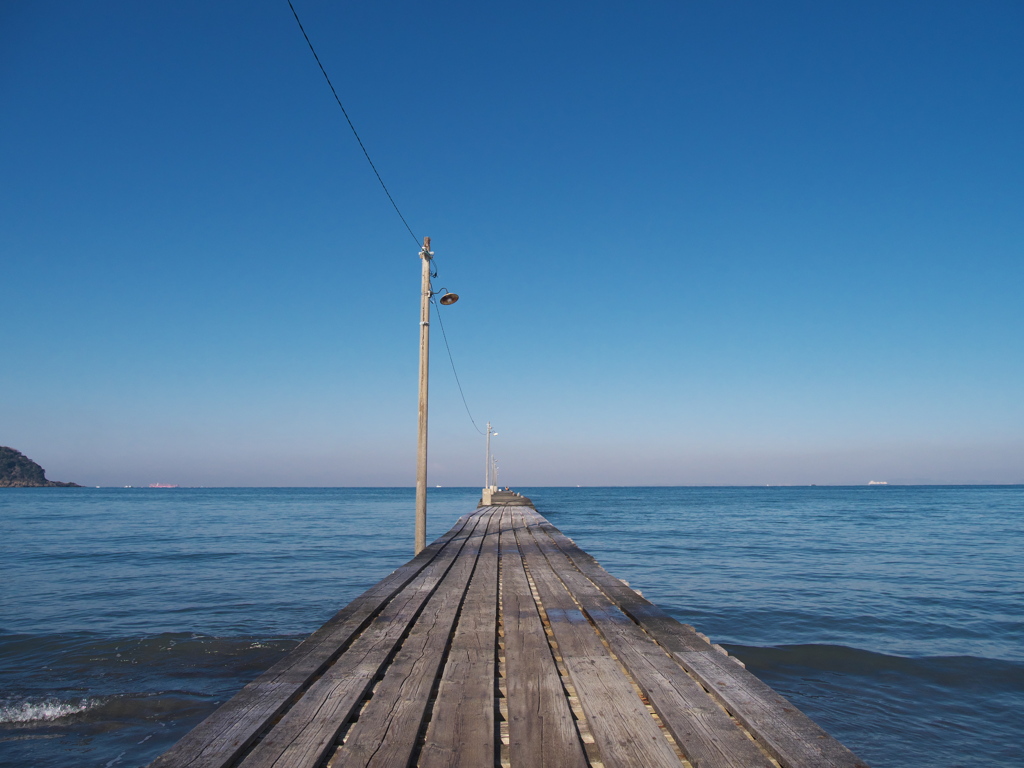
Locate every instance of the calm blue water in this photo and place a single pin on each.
(894, 616)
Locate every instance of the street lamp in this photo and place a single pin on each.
(426, 294)
(487, 458)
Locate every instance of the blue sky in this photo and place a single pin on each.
(714, 243)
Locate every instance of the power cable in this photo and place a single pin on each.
(349, 120)
(452, 361)
(433, 267)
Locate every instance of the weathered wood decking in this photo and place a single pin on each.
(502, 643)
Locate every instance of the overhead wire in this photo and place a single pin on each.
(349, 121)
(452, 361)
(433, 267)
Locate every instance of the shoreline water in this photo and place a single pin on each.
(890, 614)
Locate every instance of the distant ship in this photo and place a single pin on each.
(161, 485)
(878, 482)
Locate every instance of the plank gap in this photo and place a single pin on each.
(586, 736)
(428, 714)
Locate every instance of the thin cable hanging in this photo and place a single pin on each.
(349, 120)
(433, 264)
(452, 361)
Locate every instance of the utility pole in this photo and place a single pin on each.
(487, 459)
(421, 456)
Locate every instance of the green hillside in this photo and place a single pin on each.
(19, 471)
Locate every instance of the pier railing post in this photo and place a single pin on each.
(421, 455)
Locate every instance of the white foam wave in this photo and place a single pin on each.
(50, 709)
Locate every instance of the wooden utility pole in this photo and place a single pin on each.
(421, 456)
(487, 459)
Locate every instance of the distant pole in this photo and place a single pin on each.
(421, 455)
(487, 459)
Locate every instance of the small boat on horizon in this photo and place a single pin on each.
(161, 485)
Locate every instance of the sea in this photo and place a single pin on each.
(892, 615)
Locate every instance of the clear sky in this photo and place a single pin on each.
(696, 243)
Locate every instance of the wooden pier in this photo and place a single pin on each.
(504, 644)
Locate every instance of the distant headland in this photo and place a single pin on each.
(19, 471)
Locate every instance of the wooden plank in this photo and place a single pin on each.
(307, 731)
(461, 730)
(706, 735)
(632, 603)
(542, 732)
(222, 737)
(386, 732)
(623, 729)
(786, 733)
